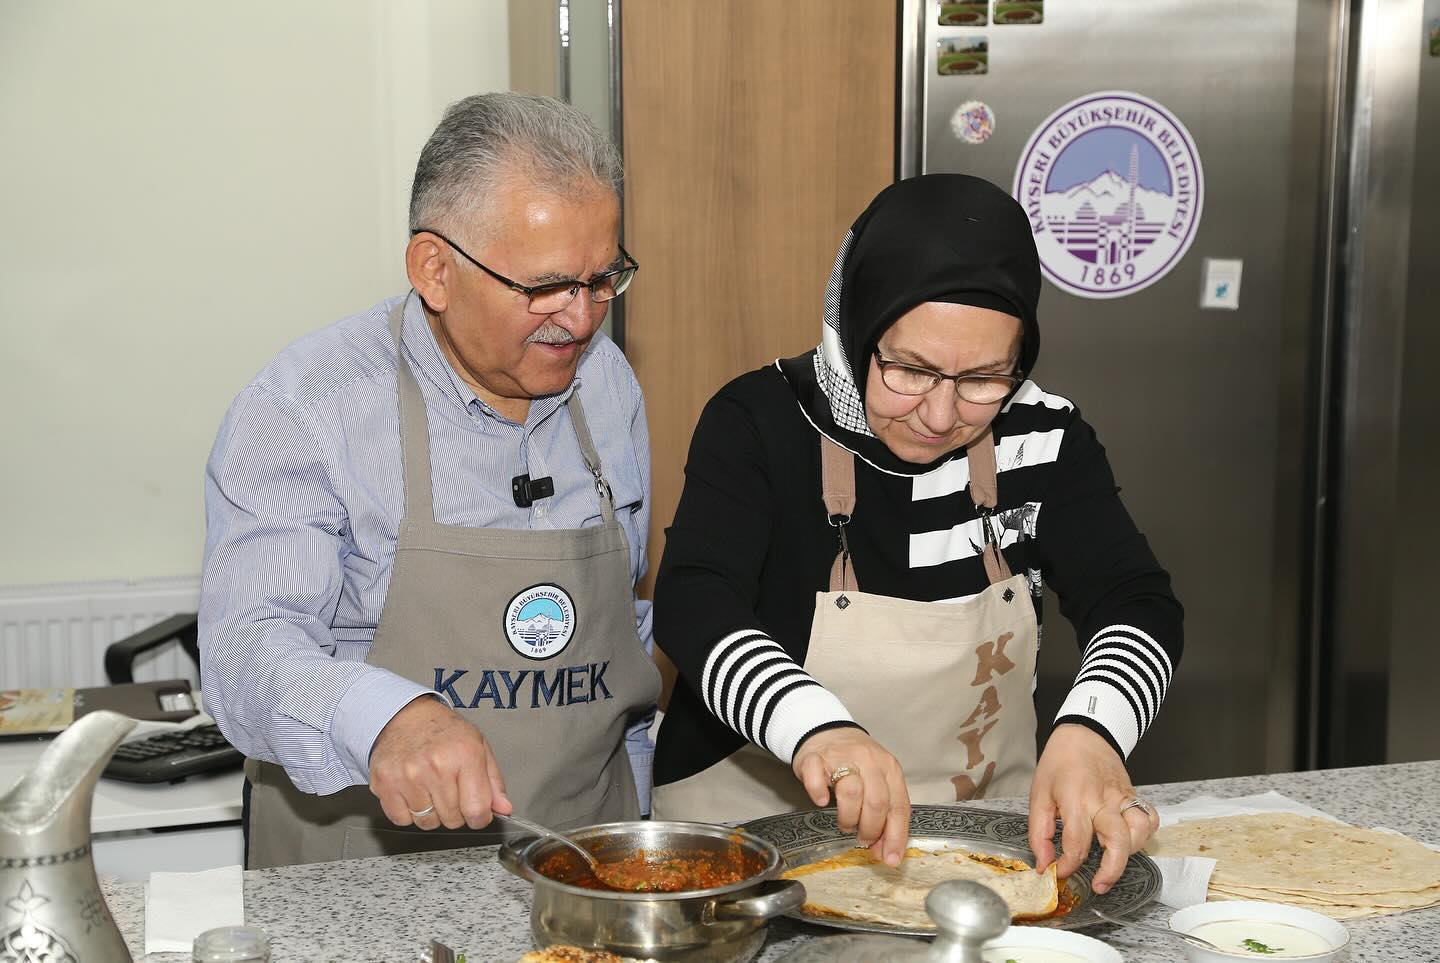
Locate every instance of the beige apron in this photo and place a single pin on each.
(529, 635)
(945, 686)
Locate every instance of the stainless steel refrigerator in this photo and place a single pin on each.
(1237, 206)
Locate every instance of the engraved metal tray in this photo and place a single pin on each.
(810, 835)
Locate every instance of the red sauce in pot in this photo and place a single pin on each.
(655, 871)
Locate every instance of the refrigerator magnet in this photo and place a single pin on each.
(1434, 36)
(971, 13)
(1222, 283)
(1114, 188)
(1019, 11)
(973, 122)
(962, 55)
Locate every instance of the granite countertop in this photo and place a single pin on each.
(388, 908)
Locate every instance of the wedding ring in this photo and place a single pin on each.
(422, 813)
(839, 774)
(1140, 804)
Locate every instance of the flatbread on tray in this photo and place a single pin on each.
(857, 886)
(1333, 868)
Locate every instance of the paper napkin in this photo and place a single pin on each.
(181, 906)
(1209, 807)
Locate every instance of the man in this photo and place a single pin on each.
(425, 523)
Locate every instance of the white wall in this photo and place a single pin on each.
(184, 189)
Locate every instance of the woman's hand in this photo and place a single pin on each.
(1082, 780)
(871, 800)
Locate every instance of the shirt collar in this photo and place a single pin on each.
(430, 359)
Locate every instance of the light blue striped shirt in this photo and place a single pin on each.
(303, 498)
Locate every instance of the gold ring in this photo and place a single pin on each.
(422, 813)
(1140, 804)
(839, 774)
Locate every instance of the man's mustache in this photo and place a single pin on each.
(550, 333)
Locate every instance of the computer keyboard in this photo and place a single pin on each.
(171, 756)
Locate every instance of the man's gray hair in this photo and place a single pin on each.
(483, 139)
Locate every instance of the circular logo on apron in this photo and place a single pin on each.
(540, 621)
(1113, 186)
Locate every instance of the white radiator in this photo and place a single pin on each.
(55, 636)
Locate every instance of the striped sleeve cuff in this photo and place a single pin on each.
(1123, 678)
(753, 686)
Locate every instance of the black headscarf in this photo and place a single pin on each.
(937, 237)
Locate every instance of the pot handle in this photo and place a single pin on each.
(511, 856)
(776, 898)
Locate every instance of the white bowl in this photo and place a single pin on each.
(1078, 945)
(1191, 917)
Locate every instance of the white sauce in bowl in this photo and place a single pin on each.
(1283, 939)
(1028, 954)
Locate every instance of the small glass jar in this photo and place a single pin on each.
(232, 944)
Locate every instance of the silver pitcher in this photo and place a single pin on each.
(51, 907)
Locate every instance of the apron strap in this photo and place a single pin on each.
(837, 489)
(592, 457)
(984, 492)
(414, 430)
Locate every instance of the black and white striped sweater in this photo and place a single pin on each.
(750, 546)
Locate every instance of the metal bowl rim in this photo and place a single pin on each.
(773, 865)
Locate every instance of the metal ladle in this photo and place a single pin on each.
(540, 830)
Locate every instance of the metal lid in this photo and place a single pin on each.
(965, 912)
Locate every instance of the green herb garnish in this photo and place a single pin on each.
(1255, 946)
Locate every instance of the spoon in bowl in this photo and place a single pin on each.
(1199, 941)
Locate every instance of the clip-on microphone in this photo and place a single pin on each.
(528, 491)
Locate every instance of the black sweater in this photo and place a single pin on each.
(751, 545)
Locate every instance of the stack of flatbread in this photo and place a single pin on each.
(1333, 868)
(857, 886)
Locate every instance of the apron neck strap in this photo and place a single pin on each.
(984, 492)
(415, 436)
(414, 429)
(837, 489)
(591, 455)
(837, 480)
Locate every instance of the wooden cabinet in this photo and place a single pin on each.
(755, 132)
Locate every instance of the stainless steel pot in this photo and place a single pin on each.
(719, 925)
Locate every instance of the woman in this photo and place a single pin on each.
(836, 588)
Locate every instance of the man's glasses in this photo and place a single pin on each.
(550, 298)
(978, 389)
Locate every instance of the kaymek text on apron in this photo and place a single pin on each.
(945, 686)
(529, 635)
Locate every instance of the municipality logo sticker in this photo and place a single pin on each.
(540, 621)
(1113, 186)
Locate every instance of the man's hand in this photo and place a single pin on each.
(1081, 779)
(428, 756)
(871, 800)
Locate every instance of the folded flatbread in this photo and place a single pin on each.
(857, 886)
